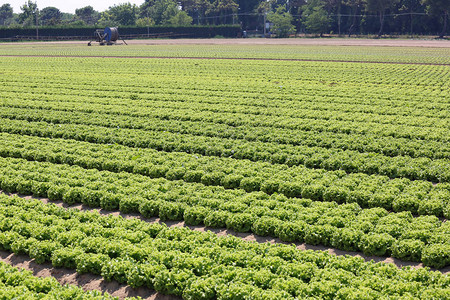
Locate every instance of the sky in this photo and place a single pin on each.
(69, 6)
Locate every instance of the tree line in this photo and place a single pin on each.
(280, 17)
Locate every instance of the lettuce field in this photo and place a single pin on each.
(346, 148)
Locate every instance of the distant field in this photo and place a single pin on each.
(339, 146)
(412, 51)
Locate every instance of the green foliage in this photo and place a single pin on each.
(315, 17)
(376, 244)
(282, 22)
(408, 250)
(240, 222)
(436, 256)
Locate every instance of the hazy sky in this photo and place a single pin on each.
(69, 6)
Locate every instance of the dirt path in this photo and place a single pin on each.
(432, 43)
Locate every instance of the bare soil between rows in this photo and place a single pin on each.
(94, 282)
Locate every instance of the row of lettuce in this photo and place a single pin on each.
(436, 170)
(268, 76)
(411, 55)
(289, 144)
(199, 265)
(258, 113)
(21, 284)
(314, 121)
(373, 231)
(425, 107)
(418, 197)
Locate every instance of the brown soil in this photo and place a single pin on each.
(293, 41)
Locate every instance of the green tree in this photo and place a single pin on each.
(29, 14)
(223, 10)
(159, 10)
(439, 8)
(315, 17)
(380, 7)
(124, 14)
(145, 22)
(356, 6)
(87, 14)
(282, 22)
(107, 19)
(196, 9)
(245, 7)
(181, 19)
(6, 14)
(50, 16)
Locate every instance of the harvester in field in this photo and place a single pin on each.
(108, 36)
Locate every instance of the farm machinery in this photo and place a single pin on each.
(108, 36)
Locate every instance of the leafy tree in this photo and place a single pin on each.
(282, 22)
(50, 16)
(145, 22)
(159, 10)
(439, 8)
(124, 14)
(380, 7)
(246, 7)
(315, 17)
(170, 12)
(181, 19)
(356, 6)
(107, 19)
(6, 13)
(196, 9)
(224, 10)
(87, 14)
(296, 8)
(29, 13)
